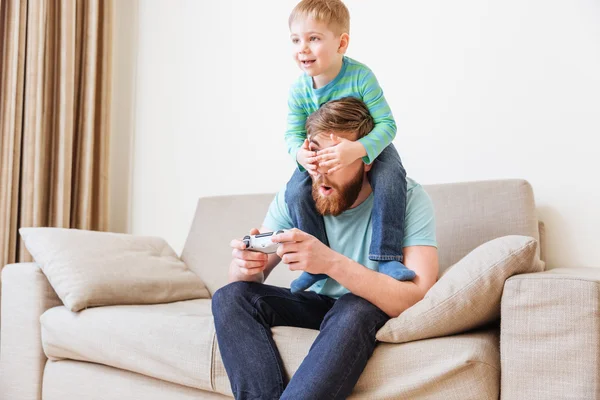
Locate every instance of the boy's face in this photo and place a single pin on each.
(316, 49)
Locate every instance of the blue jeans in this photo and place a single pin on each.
(244, 313)
(388, 180)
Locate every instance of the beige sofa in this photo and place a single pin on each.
(546, 346)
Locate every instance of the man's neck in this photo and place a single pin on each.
(365, 192)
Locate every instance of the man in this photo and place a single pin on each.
(350, 306)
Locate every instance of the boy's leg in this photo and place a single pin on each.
(304, 281)
(388, 180)
(298, 197)
(244, 313)
(340, 353)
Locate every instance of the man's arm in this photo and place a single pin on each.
(304, 252)
(390, 295)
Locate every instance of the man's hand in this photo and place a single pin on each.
(246, 265)
(341, 154)
(302, 251)
(307, 158)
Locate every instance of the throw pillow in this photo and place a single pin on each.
(88, 268)
(468, 294)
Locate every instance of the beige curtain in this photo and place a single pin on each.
(55, 71)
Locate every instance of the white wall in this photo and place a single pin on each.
(481, 89)
(125, 30)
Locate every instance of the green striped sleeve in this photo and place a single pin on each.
(295, 133)
(385, 127)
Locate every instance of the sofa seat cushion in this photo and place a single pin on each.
(67, 380)
(175, 342)
(172, 341)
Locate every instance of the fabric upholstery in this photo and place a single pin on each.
(176, 343)
(468, 295)
(26, 294)
(551, 335)
(172, 342)
(467, 215)
(70, 380)
(88, 268)
(451, 368)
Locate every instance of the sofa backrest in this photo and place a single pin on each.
(467, 215)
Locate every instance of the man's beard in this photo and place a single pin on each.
(341, 199)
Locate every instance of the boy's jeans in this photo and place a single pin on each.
(388, 180)
(244, 313)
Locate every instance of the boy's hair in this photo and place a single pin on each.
(332, 12)
(346, 115)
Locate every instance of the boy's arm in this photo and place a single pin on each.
(385, 126)
(296, 127)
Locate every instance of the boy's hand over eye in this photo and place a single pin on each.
(307, 158)
(341, 154)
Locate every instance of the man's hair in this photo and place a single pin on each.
(332, 12)
(346, 115)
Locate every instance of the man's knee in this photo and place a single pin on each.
(354, 311)
(229, 295)
(356, 305)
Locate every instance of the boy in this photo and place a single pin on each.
(320, 37)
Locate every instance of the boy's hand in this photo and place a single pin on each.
(246, 265)
(341, 154)
(307, 158)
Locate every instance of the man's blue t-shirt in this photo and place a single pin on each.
(350, 232)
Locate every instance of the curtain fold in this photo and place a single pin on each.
(55, 75)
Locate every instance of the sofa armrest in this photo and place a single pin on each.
(26, 295)
(550, 335)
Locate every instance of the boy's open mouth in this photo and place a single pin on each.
(307, 62)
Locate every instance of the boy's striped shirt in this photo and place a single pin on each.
(354, 80)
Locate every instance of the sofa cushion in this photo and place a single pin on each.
(176, 343)
(469, 214)
(88, 268)
(64, 380)
(468, 294)
(173, 341)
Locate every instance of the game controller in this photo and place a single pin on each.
(262, 242)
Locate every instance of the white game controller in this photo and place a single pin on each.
(262, 242)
